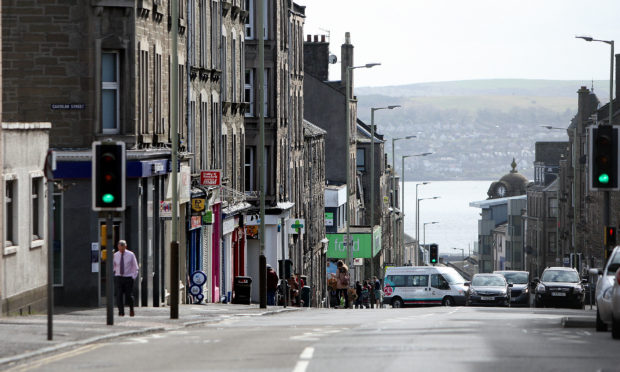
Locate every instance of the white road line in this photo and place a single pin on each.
(307, 353)
(301, 366)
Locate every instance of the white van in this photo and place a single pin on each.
(423, 285)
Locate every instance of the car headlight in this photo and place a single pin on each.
(578, 289)
(472, 292)
(526, 290)
(502, 293)
(540, 288)
(607, 293)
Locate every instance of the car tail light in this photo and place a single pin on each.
(618, 276)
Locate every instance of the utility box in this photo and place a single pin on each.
(242, 289)
(306, 295)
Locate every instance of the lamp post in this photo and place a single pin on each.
(417, 219)
(606, 201)
(417, 209)
(394, 194)
(402, 201)
(424, 230)
(348, 154)
(462, 254)
(372, 181)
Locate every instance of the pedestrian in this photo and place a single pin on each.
(366, 294)
(342, 278)
(378, 292)
(358, 293)
(272, 285)
(125, 272)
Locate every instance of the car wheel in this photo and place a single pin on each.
(615, 328)
(397, 303)
(448, 301)
(600, 325)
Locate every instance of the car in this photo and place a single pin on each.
(559, 286)
(488, 289)
(423, 285)
(615, 307)
(604, 286)
(520, 280)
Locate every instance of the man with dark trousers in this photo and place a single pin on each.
(125, 272)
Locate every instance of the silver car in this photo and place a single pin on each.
(615, 307)
(604, 288)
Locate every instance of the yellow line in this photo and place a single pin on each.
(55, 358)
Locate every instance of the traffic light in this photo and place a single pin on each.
(434, 253)
(610, 236)
(108, 176)
(603, 158)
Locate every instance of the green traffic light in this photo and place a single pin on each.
(603, 178)
(107, 198)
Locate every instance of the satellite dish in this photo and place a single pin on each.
(332, 59)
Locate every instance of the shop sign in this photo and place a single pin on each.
(207, 218)
(360, 246)
(296, 226)
(195, 222)
(198, 205)
(210, 178)
(329, 219)
(251, 231)
(228, 226)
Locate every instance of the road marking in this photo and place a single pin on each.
(304, 361)
(56, 358)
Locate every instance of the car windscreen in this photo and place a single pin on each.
(488, 281)
(563, 276)
(453, 277)
(614, 264)
(516, 278)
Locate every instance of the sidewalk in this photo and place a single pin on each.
(24, 337)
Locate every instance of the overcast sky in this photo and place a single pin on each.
(443, 40)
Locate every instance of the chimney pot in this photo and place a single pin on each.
(322, 38)
(316, 38)
(347, 38)
(309, 38)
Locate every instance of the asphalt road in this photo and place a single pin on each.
(420, 339)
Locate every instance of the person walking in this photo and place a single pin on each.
(272, 285)
(125, 272)
(358, 293)
(342, 278)
(378, 294)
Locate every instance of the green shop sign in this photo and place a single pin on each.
(361, 245)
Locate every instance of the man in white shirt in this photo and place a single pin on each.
(125, 272)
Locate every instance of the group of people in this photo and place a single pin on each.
(368, 294)
(295, 284)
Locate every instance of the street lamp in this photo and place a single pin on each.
(606, 200)
(424, 230)
(462, 253)
(417, 218)
(394, 193)
(417, 209)
(348, 155)
(372, 180)
(402, 201)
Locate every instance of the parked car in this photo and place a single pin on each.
(520, 280)
(488, 289)
(604, 287)
(423, 285)
(615, 307)
(559, 286)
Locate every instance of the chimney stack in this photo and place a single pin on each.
(309, 38)
(316, 38)
(346, 57)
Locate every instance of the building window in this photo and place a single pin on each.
(249, 22)
(553, 207)
(233, 70)
(361, 160)
(203, 33)
(10, 213)
(158, 118)
(224, 67)
(224, 156)
(36, 195)
(249, 168)
(265, 93)
(249, 91)
(144, 91)
(215, 27)
(110, 92)
(234, 162)
(204, 144)
(216, 140)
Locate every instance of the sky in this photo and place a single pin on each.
(443, 40)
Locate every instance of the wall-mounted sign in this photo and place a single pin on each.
(251, 231)
(210, 178)
(198, 205)
(329, 219)
(68, 106)
(296, 226)
(207, 218)
(165, 209)
(195, 222)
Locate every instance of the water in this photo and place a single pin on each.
(457, 225)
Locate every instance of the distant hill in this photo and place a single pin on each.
(474, 127)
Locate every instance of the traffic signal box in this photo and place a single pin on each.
(434, 254)
(603, 159)
(609, 240)
(108, 176)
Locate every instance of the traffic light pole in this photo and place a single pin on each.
(109, 275)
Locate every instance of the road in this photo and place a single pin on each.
(421, 339)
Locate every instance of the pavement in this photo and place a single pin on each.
(25, 337)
